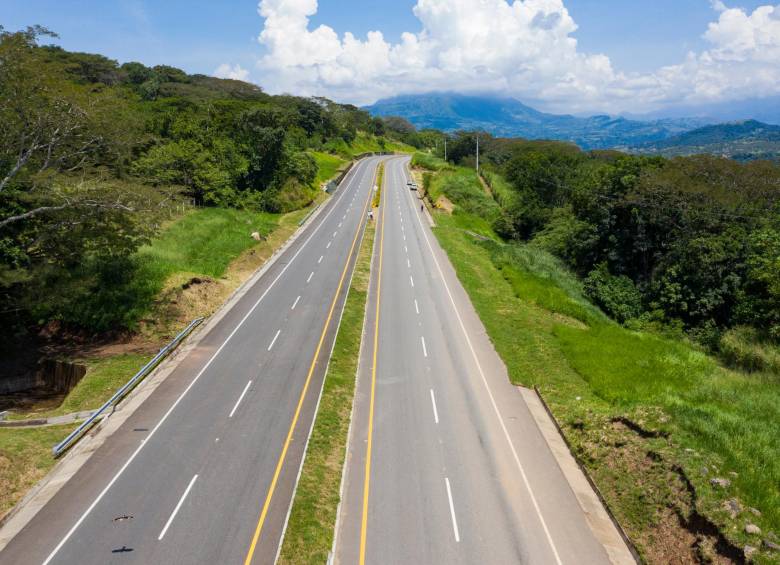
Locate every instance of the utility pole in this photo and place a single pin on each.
(445, 148)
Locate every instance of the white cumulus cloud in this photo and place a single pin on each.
(521, 48)
(231, 71)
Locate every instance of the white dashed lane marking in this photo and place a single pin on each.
(274, 339)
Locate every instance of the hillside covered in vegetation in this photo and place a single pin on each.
(747, 140)
(689, 244)
(682, 447)
(96, 157)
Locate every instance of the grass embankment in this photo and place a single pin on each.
(203, 242)
(25, 458)
(327, 166)
(309, 534)
(365, 143)
(653, 419)
(459, 193)
(104, 376)
(501, 189)
(429, 162)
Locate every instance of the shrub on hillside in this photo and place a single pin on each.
(743, 347)
(569, 238)
(616, 295)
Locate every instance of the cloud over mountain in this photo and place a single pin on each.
(521, 48)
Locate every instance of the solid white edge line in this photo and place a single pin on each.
(135, 453)
(492, 398)
(274, 340)
(176, 510)
(452, 511)
(435, 412)
(295, 303)
(240, 398)
(425, 350)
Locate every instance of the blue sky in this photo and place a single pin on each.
(638, 36)
(198, 35)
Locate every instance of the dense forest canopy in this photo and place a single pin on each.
(693, 241)
(92, 152)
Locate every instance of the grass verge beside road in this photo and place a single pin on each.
(25, 458)
(684, 450)
(309, 534)
(327, 166)
(203, 242)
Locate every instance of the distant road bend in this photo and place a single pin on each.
(445, 463)
(204, 471)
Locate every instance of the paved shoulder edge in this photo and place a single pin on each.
(42, 492)
(604, 529)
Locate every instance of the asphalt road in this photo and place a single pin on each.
(187, 478)
(445, 463)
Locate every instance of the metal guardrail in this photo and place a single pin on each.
(309, 215)
(76, 434)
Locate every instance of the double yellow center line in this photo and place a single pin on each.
(250, 554)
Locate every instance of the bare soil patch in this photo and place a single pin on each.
(443, 204)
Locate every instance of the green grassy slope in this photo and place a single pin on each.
(649, 416)
(203, 242)
(365, 143)
(327, 166)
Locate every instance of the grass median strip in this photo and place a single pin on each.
(380, 177)
(309, 534)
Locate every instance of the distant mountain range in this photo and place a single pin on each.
(507, 117)
(670, 136)
(745, 140)
(765, 110)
